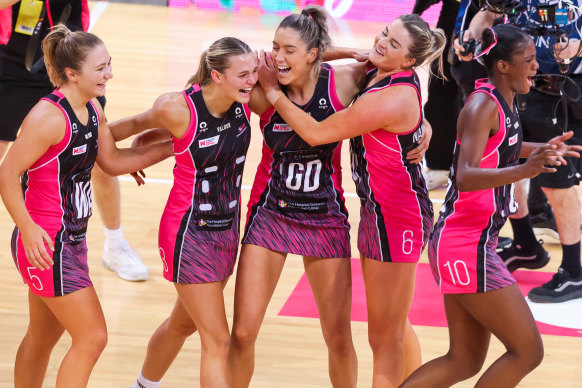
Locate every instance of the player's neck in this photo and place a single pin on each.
(301, 90)
(504, 88)
(216, 101)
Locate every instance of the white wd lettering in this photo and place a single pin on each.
(83, 199)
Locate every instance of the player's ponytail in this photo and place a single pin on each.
(202, 75)
(312, 26)
(427, 45)
(217, 58)
(65, 49)
(500, 43)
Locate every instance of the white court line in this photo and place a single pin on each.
(244, 187)
(96, 13)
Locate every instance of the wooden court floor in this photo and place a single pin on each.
(155, 50)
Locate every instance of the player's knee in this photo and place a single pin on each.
(92, 344)
(339, 339)
(43, 340)
(216, 344)
(387, 340)
(466, 365)
(182, 329)
(533, 353)
(243, 337)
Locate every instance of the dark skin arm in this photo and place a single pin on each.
(478, 121)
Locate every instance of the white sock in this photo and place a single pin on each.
(113, 237)
(142, 382)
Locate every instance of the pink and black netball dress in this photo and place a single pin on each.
(57, 193)
(297, 203)
(396, 214)
(462, 248)
(199, 230)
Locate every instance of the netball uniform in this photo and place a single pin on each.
(199, 230)
(462, 248)
(21, 33)
(57, 194)
(396, 213)
(297, 203)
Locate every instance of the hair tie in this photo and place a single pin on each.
(488, 49)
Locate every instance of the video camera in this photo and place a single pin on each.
(544, 20)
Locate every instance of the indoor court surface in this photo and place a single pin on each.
(155, 49)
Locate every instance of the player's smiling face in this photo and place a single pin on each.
(290, 56)
(390, 51)
(239, 78)
(523, 66)
(94, 73)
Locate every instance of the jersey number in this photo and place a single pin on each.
(407, 244)
(34, 279)
(456, 265)
(301, 175)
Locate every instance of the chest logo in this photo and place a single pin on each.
(80, 150)
(281, 128)
(241, 130)
(322, 103)
(513, 140)
(208, 142)
(223, 127)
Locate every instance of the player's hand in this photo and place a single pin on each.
(136, 143)
(35, 241)
(361, 55)
(539, 160)
(138, 179)
(565, 150)
(267, 72)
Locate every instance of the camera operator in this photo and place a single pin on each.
(546, 114)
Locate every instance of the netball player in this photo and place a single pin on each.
(480, 295)
(24, 81)
(54, 154)
(199, 231)
(285, 194)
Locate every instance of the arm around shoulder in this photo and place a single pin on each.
(116, 161)
(169, 111)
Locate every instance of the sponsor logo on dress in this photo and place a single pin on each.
(201, 222)
(282, 203)
(208, 142)
(203, 126)
(80, 150)
(513, 140)
(322, 103)
(88, 135)
(281, 128)
(241, 130)
(223, 127)
(238, 112)
(75, 130)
